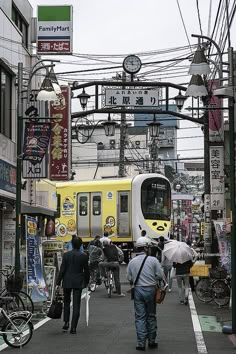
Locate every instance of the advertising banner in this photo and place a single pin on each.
(36, 141)
(216, 129)
(60, 142)
(224, 243)
(54, 30)
(35, 279)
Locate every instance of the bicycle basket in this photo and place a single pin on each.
(218, 273)
(14, 283)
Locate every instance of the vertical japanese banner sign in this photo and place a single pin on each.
(35, 279)
(54, 30)
(217, 177)
(224, 244)
(60, 143)
(216, 129)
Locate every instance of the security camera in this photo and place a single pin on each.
(224, 92)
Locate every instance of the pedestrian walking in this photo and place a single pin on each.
(182, 277)
(74, 274)
(144, 292)
(167, 266)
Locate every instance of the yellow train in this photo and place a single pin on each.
(122, 207)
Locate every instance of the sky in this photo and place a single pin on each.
(117, 28)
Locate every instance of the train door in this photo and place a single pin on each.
(123, 214)
(83, 216)
(96, 214)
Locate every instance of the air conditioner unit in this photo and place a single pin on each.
(112, 144)
(137, 144)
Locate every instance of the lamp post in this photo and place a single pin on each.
(229, 93)
(50, 96)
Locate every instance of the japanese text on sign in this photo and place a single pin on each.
(217, 177)
(138, 98)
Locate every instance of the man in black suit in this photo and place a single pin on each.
(74, 274)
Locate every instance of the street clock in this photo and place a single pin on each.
(132, 64)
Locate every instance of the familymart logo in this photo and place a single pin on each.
(44, 29)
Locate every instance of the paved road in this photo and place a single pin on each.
(111, 328)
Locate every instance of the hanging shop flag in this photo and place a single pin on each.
(54, 30)
(35, 279)
(60, 141)
(216, 129)
(36, 141)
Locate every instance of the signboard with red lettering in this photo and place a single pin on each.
(54, 30)
(60, 141)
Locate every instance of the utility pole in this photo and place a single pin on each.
(123, 127)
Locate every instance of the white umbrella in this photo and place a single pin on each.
(85, 295)
(177, 251)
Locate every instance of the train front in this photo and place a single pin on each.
(151, 205)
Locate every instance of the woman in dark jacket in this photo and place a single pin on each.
(182, 277)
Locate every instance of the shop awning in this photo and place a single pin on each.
(36, 210)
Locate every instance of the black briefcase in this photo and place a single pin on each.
(55, 310)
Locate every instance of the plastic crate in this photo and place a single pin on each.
(200, 270)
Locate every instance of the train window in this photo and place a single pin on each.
(124, 204)
(155, 199)
(96, 205)
(83, 206)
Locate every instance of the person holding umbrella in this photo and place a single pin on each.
(182, 257)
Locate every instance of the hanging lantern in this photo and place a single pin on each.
(50, 228)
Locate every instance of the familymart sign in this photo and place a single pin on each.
(54, 30)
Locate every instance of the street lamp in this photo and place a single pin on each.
(83, 97)
(109, 128)
(179, 100)
(154, 128)
(49, 95)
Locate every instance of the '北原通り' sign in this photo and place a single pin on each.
(60, 141)
(54, 30)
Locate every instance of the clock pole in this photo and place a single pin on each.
(122, 138)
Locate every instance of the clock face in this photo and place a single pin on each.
(132, 64)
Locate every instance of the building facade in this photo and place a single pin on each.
(17, 38)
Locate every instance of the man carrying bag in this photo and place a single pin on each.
(144, 292)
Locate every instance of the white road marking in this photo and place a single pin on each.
(201, 346)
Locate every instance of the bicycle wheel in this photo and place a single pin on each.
(203, 290)
(92, 282)
(110, 283)
(220, 292)
(16, 304)
(18, 331)
(27, 301)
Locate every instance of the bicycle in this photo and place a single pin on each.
(216, 287)
(221, 291)
(109, 280)
(93, 281)
(17, 328)
(21, 300)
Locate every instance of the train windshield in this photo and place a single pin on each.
(156, 199)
